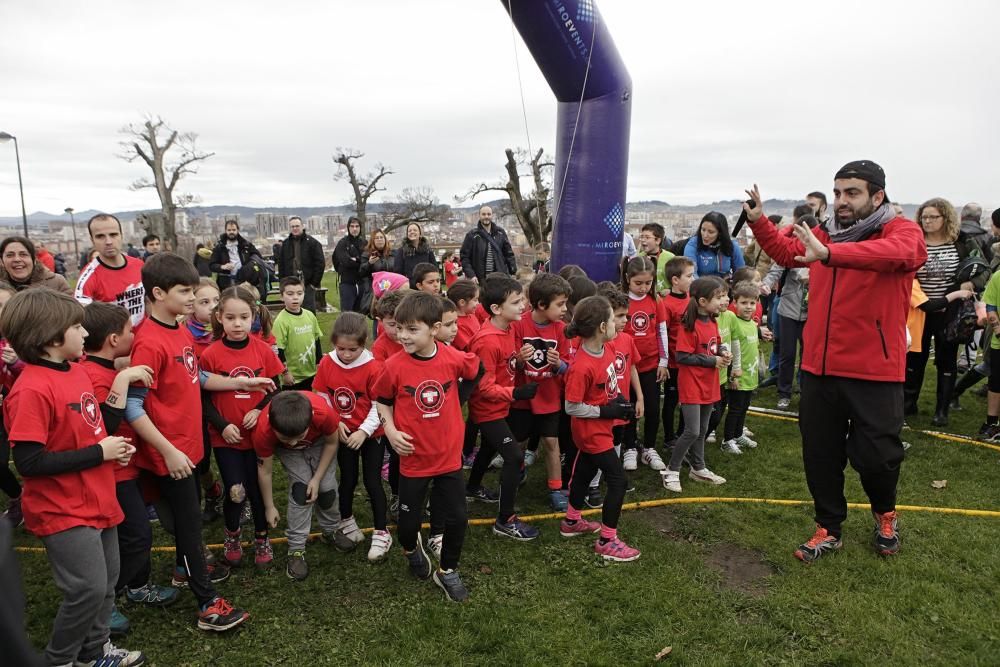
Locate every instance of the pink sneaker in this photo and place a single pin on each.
(617, 551)
(263, 555)
(581, 527)
(232, 549)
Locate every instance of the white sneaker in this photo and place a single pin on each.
(784, 403)
(651, 458)
(529, 457)
(672, 480)
(349, 527)
(707, 476)
(114, 655)
(731, 447)
(434, 543)
(497, 462)
(747, 432)
(381, 542)
(744, 441)
(630, 459)
(710, 437)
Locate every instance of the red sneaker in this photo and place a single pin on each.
(886, 534)
(818, 545)
(617, 551)
(220, 616)
(581, 527)
(232, 549)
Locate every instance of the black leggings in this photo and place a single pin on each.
(736, 418)
(238, 467)
(369, 456)
(448, 497)
(498, 438)
(567, 448)
(135, 537)
(8, 481)
(179, 498)
(393, 467)
(584, 468)
(651, 425)
(671, 400)
(471, 435)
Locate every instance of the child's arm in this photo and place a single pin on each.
(329, 452)
(692, 359)
(214, 382)
(401, 442)
(663, 343)
(640, 403)
(265, 471)
(178, 464)
(736, 350)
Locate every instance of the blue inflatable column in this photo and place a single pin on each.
(592, 132)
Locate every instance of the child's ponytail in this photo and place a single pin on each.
(702, 288)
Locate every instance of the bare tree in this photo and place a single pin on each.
(419, 205)
(364, 185)
(532, 211)
(151, 142)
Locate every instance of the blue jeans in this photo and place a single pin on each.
(350, 297)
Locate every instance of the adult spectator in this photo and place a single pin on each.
(651, 245)
(232, 252)
(711, 249)
(415, 250)
(898, 208)
(20, 268)
(628, 247)
(792, 309)
(132, 251)
(972, 228)
(112, 276)
(302, 255)
(853, 365)
(202, 260)
(348, 256)
(817, 202)
(379, 255)
(452, 268)
(486, 249)
(152, 245)
(947, 247)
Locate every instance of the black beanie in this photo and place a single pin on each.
(866, 170)
(996, 218)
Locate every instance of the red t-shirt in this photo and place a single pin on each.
(643, 320)
(173, 402)
(424, 398)
(449, 276)
(482, 314)
(348, 390)
(102, 375)
(58, 408)
(542, 337)
(384, 347)
(757, 312)
(468, 326)
(497, 349)
(594, 381)
(249, 358)
(672, 309)
(324, 424)
(698, 385)
(108, 284)
(625, 356)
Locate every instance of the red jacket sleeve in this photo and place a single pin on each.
(900, 248)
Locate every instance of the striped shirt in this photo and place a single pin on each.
(937, 275)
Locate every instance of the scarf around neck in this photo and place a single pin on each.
(862, 229)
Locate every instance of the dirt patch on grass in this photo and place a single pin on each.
(742, 570)
(662, 520)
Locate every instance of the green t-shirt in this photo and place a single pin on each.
(296, 335)
(727, 325)
(991, 297)
(745, 333)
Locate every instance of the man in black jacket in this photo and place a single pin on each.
(302, 255)
(231, 253)
(486, 249)
(347, 259)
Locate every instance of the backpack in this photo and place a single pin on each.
(963, 320)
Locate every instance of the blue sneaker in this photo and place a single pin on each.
(151, 514)
(151, 594)
(119, 625)
(516, 529)
(558, 500)
(420, 564)
(483, 495)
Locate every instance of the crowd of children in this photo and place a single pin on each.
(552, 366)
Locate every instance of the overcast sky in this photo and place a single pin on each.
(725, 93)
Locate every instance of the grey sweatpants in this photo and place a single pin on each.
(85, 566)
(696, 419)
(300, 466)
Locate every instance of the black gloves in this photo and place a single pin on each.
(525, 391)
(618, 408)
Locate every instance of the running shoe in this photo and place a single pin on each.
(744, 441)
(616, 550)
(784, 403)
(710, 437)
(651, 458)
(886, 534)
(118, 625)
(672, 480)
(217, 573)
(296, 568)
(730, 447)
(451, 584)
(630, 459)
(529, 457)
(220, 616)
(594, 500)
(263, 553)
(381, 542)
(558, 500)
(747, 432)
(152, 595)
(821, 543)
(114, 657)
(232, 550)
(706, 475)
(151, 514)
(579, 527)
(420, 564)
(515, 529)
(434, 543)
(483, 495)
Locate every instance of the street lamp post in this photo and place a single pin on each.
(72, 224)
(4, 136)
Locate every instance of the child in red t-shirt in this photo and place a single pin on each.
(231, 415)
(63, 453)
(346, 379)
(109, 337)
(649, 331)
(625, 356)
(417, 399)
(594, 404)
(465, 295)
(386, 345)
(490, 404)
(10, 368)
(302, 429)
(700, 355)
(679, 272)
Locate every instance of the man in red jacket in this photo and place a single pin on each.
(854, 347)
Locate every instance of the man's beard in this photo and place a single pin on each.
(231, 236)
(854, 216)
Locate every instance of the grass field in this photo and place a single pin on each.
(716, 582)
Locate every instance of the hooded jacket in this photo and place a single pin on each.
(40, 277)
(220, 256)
(858, 298)
(348, 256)
(498, 351)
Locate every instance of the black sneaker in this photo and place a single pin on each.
(515, 529)
(451, 584)
(296, 568)
(220, 616)
(216, 574)
(483, 495)
(886, 534)
(594, 499)
(420, 564)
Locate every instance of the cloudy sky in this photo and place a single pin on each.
(726, 92)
